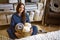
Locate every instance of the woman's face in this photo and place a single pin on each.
(21, 9)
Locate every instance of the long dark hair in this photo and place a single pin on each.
(23, 13)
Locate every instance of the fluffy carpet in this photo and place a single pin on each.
(47, 36)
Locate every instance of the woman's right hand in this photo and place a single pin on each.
(17, 34)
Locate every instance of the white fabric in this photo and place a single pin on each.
(36, 16)
(31, 16)
(40, 6)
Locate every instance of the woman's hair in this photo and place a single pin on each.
(23, 13)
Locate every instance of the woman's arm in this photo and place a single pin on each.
(12, 24)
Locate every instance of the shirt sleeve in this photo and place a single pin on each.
(12, 24)
(27, 18)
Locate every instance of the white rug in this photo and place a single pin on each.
(47, 36)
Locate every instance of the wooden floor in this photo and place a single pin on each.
(40, 27)
(48, 28)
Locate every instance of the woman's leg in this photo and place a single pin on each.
(35, 30)
(11, 34)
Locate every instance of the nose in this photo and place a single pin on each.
(22, 8)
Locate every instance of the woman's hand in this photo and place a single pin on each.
(31, 30)
(17, 34)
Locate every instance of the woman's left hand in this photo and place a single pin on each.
(31, 30)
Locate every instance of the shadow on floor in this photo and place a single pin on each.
(4, 27)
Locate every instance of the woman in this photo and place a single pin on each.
(19, 17)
